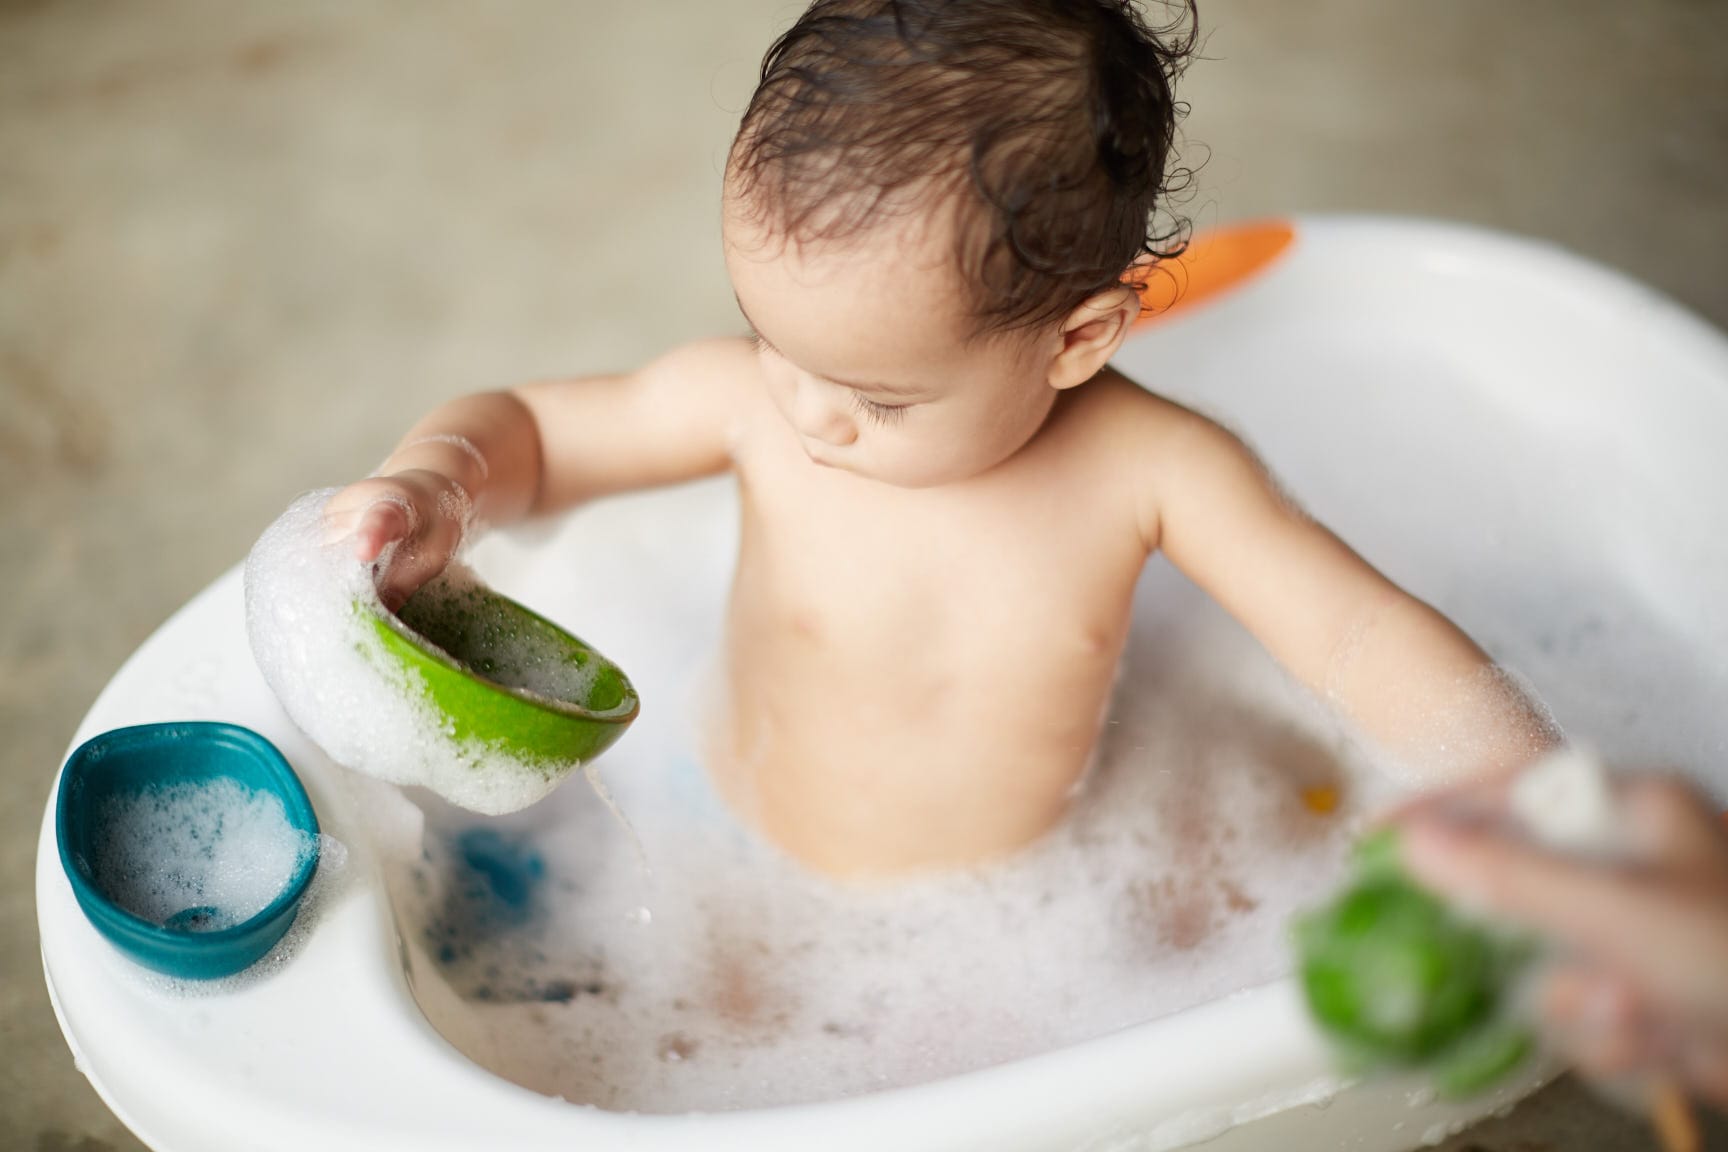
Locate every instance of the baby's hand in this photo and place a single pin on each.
(1641, 988)
(424, 514)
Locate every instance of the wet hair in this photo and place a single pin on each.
(1047, 123)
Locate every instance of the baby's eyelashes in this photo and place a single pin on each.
(873, 410)
(877, 412)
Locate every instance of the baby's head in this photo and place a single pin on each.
(930, 211)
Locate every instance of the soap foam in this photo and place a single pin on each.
(198, 856)
(524, 658)
(330, 880)
(1566, 801)
(734, 978)
(309, 611)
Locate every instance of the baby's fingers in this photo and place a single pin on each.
(379, 524)
(374, 513)
(371, 527)
(419, 556)
(407, 526)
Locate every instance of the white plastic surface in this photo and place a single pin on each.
(1528, 441)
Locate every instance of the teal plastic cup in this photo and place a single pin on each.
(129, 762)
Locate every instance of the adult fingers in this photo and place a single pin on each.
(1492, 871)
(1667, 933)
(1611, 1033)
(1598, 1021)
(1670, 821)
(1704, 1066)
(1482, 802)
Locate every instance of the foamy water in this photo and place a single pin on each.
(516, 657)
(1223, 800)
(198, 856)
(733, 978)
(726, 976)
(1518, 450)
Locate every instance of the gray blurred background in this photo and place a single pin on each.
(242, 245)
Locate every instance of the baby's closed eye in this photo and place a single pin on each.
(878, 412)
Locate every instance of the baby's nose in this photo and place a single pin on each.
(819, 413)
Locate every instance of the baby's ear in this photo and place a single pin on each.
(1090, 335)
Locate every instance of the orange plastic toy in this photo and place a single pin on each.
(1214, 263)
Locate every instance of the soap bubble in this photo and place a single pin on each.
(199, 856)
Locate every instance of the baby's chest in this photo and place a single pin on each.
(971, 575)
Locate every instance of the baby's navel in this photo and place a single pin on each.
(805, 626)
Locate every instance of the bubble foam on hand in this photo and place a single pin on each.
(309, 607)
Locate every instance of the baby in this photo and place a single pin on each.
(935, 215)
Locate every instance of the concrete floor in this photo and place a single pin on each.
(242, 245)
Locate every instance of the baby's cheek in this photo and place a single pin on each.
(781, 384)
(987, 439)
(928, 457)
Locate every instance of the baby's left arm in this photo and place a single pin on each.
(1401, 671)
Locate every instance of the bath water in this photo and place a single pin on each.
(728, 976)
(1224, 798)
(1534, 452)
(1516, 452)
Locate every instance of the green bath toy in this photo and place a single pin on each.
(464, 691)
(506, 677)
(1399, 979)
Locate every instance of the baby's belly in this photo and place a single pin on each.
(914, 730)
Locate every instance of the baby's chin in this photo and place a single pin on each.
(908, 478)
(911, 470)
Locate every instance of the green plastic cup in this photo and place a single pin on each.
(505, 677)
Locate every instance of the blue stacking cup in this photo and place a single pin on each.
(131, 761)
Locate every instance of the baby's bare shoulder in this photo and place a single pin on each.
(1119, 417)
(1168, 454)
(721, 368)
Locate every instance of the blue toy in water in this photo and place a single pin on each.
(126, 763)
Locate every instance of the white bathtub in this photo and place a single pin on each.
(1526, 440)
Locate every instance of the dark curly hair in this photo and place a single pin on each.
(1052, 120)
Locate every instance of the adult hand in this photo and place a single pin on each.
(1639, 984)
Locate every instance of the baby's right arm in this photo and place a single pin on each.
(539, 448)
